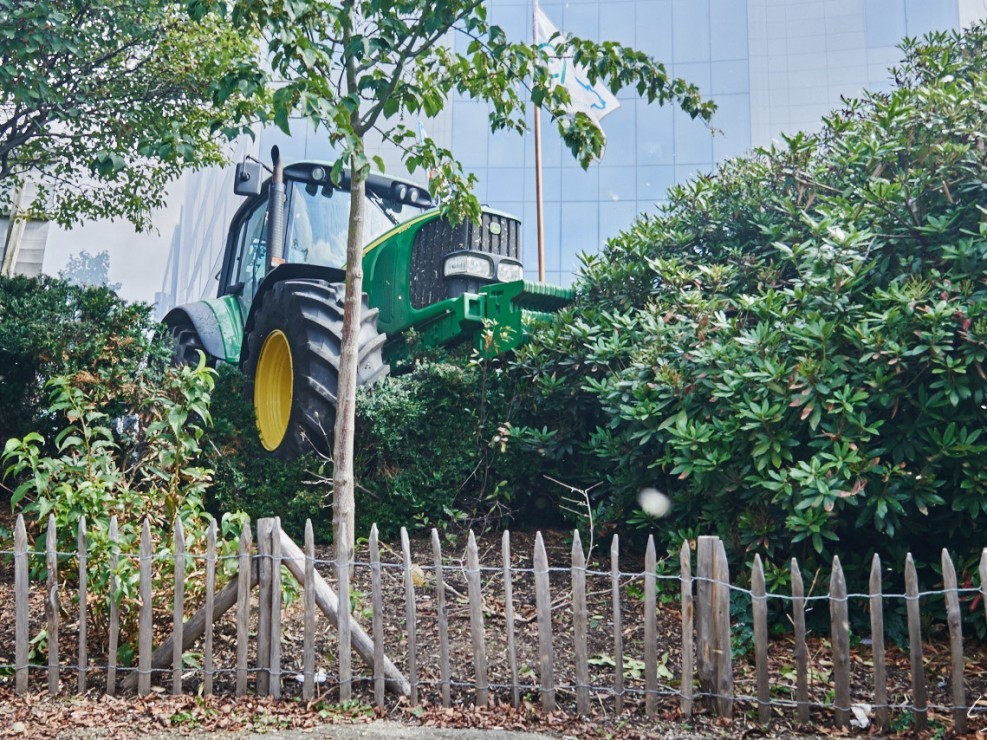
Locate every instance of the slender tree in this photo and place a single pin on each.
(359, 66)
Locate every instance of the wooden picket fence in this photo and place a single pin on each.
(706, 672)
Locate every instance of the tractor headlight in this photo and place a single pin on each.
(508, 272)
(468, 264)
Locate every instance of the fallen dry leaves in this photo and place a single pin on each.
(37, 715)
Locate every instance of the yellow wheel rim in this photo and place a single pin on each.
(272, 390)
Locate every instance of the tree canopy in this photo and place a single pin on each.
(359, 66)
(103, 102)
(89, 270)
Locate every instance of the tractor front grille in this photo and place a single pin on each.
(438, 238)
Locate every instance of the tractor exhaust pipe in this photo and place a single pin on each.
(275, 213)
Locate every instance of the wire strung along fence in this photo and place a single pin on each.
(539, 650)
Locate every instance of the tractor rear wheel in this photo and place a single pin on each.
(187, 345)
(293, 362)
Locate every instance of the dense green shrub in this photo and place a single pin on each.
(142, 468)
(425, 446)
(95, 423)
(48, 328)
(793, 348)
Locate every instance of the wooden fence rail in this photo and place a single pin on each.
(706, 672)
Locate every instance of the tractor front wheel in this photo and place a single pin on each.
(293, 355)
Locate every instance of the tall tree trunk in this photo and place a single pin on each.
(343, 483)
(342, 477)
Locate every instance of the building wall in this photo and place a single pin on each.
(806, 54)
(23, 242)
(198, 241)
(32, 238)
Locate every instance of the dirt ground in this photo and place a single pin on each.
(98, 715)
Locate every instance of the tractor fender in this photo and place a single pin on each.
(218, 323)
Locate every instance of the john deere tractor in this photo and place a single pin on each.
(278, 313)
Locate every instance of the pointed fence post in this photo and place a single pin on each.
(243, 608)
(955, 622)
(442, 616)
(343, 559)
(178, 611)
(840, 637)
(409, 617)
(114, 629)
(477, 633)
(378, 617)
(543, 606)
(721, 630)
(650, 630)
(210, 607)
(759, 609)
(705, 666)
(801, 649)
(264, 587)
(618, 627)
(505, 547)
(919, 686)
(688, 657)
(275, 661)
(145, 626)
(51, 605)
(22, 586)
(580, 627)
(877, 644)
(83, 605)
(308, 596)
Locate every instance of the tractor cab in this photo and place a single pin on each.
(314, 213)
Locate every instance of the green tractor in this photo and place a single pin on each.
(278, 314)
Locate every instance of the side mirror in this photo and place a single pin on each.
(247, 180)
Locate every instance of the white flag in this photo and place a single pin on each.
(596, 101)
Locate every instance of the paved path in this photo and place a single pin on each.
(384, 730)
(387, 730)
(379, 730)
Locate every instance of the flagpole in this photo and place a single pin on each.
(539, 216)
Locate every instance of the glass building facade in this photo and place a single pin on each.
(772, 67)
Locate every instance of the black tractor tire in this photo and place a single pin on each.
(292, 364)
(187, 345)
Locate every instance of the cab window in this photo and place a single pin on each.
(317, 226)
(318, 223)
(253, 252)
